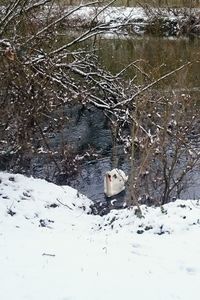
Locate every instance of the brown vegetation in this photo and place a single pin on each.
(43, 73)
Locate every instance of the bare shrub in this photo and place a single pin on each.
(43, 74)
(172, 20)
(165, 147)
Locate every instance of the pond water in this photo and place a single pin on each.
(159, 55)
(157, 3)
(161, 3)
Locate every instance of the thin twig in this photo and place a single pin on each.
(63, 204)
(152, 84)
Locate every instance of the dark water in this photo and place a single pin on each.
(157, 3)
(162, 3)
(89, 129)
(159, 55)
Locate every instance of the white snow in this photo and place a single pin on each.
(49, 251)
(111, 14)
(118, 15)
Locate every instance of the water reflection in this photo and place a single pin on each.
(158, 55)
(157, 3)
(161, 3)
(90, 129)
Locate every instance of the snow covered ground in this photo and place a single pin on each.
(52, 248)
(118, 15)
(111, 14)
(125, 21)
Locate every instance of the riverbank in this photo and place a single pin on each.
(138, 20)
(53, 248)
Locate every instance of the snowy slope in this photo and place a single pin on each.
(52, 251)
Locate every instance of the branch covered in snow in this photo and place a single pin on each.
(44, 73)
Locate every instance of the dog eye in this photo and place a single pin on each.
(115, 176)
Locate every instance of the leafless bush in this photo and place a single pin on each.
(164, 148)
(172, 20)
(43, 73)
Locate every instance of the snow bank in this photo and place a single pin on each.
(170, 218)
(52, 251)
(136, 19)
(21, 193)
(121, 14)
(111, 14)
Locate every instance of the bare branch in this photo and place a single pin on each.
(152, 84)
(59, 20)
